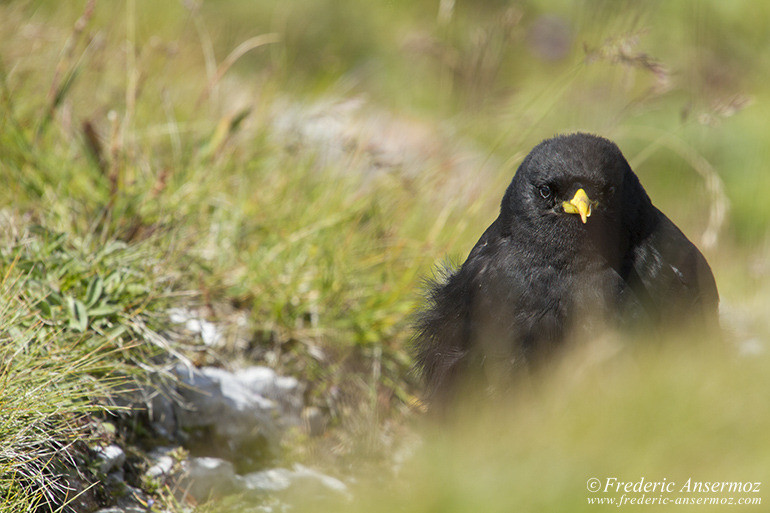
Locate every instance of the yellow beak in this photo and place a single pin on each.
(580, 204)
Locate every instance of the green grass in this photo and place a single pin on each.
(144, 166)
(79, 320)
(676, 414)
(47, 376)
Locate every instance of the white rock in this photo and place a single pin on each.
(209, 332)
(258, 379)
(217, 399)
(162, 463)
(112, 458)
(211, 477)
(271, 480)
(285, 391)
(304, 480)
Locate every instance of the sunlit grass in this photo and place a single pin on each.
(46, 378)
(683, 412)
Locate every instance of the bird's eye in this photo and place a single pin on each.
(545, 191)
(611, 191)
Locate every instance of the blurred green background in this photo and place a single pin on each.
(310, 161)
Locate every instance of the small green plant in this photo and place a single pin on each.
(46, 378)
(77, 322)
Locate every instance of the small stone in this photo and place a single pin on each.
(305, 480)
(307, 476)
(211, 477)
(285, 391)
(271, 480)
(162, 463)
(258, 379)
(210, 334)
(112, 458)
(218, 400)
(116, 478)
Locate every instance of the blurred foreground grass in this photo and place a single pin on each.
(680, 413)
(307, 162)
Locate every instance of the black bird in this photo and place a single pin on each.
(578, 245)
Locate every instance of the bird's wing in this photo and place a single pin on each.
(443, 328)
(670, 275)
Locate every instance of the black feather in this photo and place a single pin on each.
(538, 275)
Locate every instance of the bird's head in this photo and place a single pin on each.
(573, 191)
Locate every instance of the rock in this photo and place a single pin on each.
(300, 480)
(160, 410)
(211, 477)
(112, 458)
(207, 478)
(352, 134)
(271, 480)
(116, 478)
(217, 400)
(161, 463)
(286, 392)
(309, 479)
(210, 334)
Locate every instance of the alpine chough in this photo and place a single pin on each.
(577, 245)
